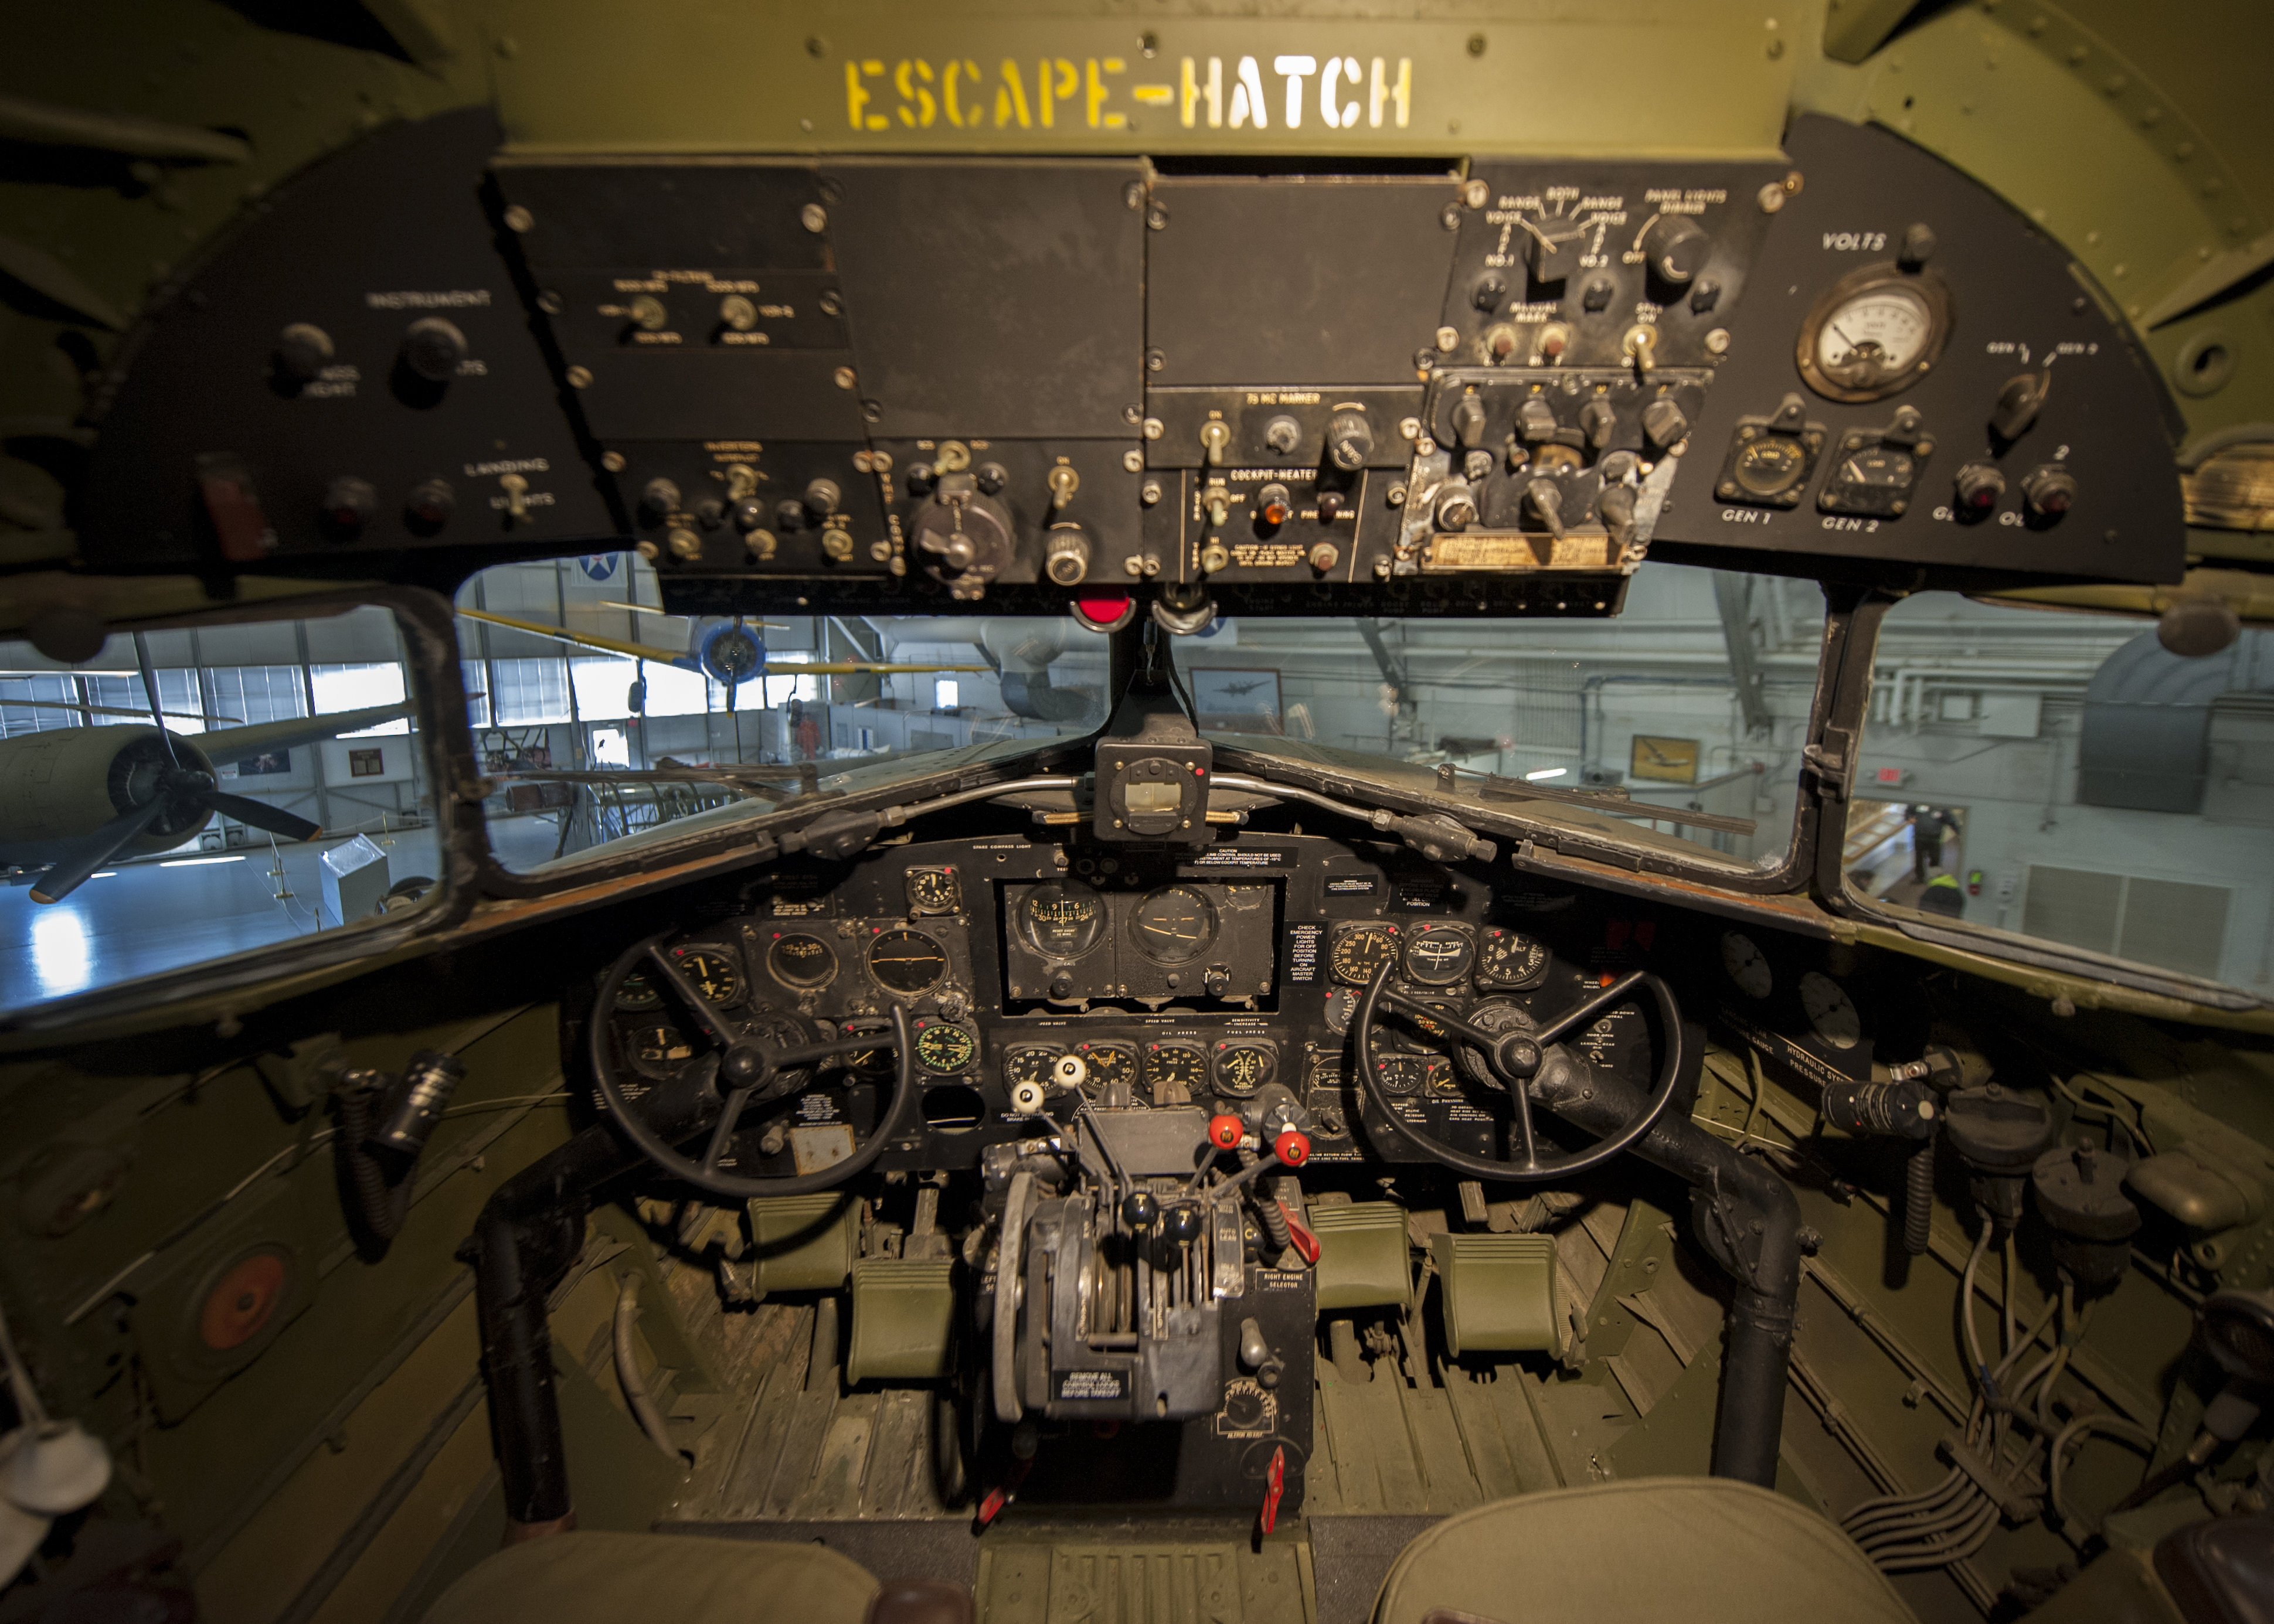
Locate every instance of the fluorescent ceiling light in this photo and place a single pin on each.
(192, 862)
(1545, 772)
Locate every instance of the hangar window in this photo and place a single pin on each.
(2046, 779)
(288, 802)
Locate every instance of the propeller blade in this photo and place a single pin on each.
(98, 849)
(157, 712)
(260, 814)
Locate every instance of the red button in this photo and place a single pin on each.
(1105, 614)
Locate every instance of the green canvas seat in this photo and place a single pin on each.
(606, 1578)
(1701, 1549)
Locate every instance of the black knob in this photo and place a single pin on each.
(1061, 985)
(749, 514)
(1181, 1224)
(1456, 506)
(1066, 556)
(1664, 422)
(1535, 420)
(659, 498)
(1489, 294)
(1548, 261)
(1469, 421)
(822, 496)
(1477, 466)
(1677, 248)
(1545, 497)
(1706, 295)
(789, 514)
(2049, 491)
(2019, 402)
(710, 513)
(1217, 981)
(1598, 420)
(1331, 506)
(1596, 295)
(991, 478)
(1616, 505)
(921, 478)
(303, 351)
(1139, 1208)
(431, 504)
(1350, 440)
(349, 503)
(1979, 487)
(433, 348)
(1282, 434)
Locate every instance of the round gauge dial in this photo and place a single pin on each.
(659, 1047)
(1174, 1069)
(802, 960)
(868, 1062)
(637, 992)
(1401, 1074)
(1439, 955)
(1341, 1003)
(1062, 920)
(1830, 1011)
(1173, 925)
(1875, 333)
(935, 890)
(1510, 959)
(1106, 1065)
(1770, 465)
(1031, 1064)
(942, 1048)
(1242, 1068)
(1746, 964)
(1360, 951)
(906, 961)
(713, 971)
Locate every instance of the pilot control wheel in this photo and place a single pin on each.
(1516, 1058)
(744, 1069)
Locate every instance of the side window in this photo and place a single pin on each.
(287, 795)
(2065, 777)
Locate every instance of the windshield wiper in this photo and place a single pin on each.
(1614, 800)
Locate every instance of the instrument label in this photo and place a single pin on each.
(1091, 1384)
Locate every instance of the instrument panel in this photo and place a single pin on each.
(1136, 979)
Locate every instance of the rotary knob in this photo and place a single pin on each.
(1282, 434)
(1664, 422)
(1598, 420)
(433, 348)
(1676, 247)
(1065, 557)
(303, 351)
(1545, 497)
(1456, 506)
(1350, 440)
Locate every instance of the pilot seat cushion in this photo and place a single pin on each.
(1701, 1549)
(604, 1578)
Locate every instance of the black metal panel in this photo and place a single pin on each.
(388, 232)
(658, 211)
(997, 299)
(1299, 280)
(2016, 302)
(719, 394)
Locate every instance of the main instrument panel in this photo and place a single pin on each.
(1137, 981)
(1487, 383)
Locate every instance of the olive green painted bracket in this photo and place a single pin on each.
(1853, 29)
(804, 1243)
(1645, 1247)
(1363, 1261)
(1498, 1291)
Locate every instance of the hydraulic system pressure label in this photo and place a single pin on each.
(1286, 90)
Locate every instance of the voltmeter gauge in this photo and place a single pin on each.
(1439, 955)
(1173, 1068)
(1242, 1068)
(713, 971)
(801, 960)
(1874, 333)
(1359, 951)
(943, 1048)
(1510, 959)
(1830, 1011)
(1064, 918)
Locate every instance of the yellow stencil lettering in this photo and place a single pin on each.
(856, 97)
(912, 92)
(1049, 93)
(1011, 97)
(966, 69)
(1099, 90)
(1214, 91)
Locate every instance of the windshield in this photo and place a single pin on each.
(600, 718)
(2063, 779)
(1677, 725)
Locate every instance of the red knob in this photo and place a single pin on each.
(1224, 1132)
(1294, 1148)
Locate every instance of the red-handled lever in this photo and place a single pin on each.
(1298, 1234)
(1225, 1132)
(1292, 1146)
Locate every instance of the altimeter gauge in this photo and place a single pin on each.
(1874, 333)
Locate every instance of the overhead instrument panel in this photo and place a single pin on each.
(1484, 383)
(1918, 375)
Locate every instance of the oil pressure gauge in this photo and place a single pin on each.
(1874, 333)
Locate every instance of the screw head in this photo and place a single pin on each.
(814, 218)
(1772, 196)
(1717, 341)
(1133, 460)
(518, 219)
(844, 377)
(1154, 428)
(579, 378)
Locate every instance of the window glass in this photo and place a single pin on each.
(604, 719)
(1677, 724)
(2063, 777)
(288, 799)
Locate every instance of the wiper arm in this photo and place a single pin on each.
(1433, 834)
(1615, 801)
